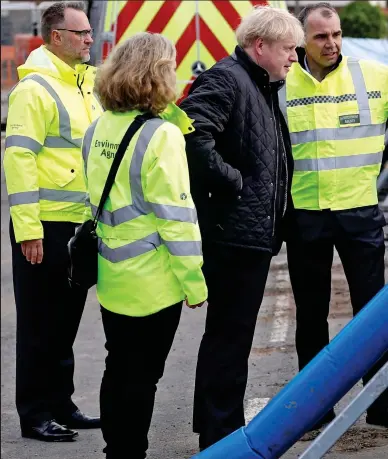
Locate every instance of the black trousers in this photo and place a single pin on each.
(137, 351)
(48, 316)
(236, 280)
(310, 258)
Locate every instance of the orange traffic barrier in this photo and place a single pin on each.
(8, 67)
(24, 44)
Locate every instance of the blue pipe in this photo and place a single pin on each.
(314, 391)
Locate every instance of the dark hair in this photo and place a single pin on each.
(55, 15)
(327, 11)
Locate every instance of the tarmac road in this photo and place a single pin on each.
(272, 365)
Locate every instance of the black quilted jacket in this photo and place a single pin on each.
(241, 139)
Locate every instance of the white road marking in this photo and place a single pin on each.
(278, 334)
(254, 406)
(280, 324)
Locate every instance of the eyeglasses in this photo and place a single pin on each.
(81, 33)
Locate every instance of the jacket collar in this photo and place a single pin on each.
(44, 62)
(257, 73)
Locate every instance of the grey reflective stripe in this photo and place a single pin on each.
(174, 213)
(11, 91)
(146, 133)
(184, 248)
(360, 90)
(25, 197)
(88, 142)
(148, 244)
(283, 104)
(59, 142)
(118, 216)
(344, 133)
(128, 213)
(23, 141)
(339, 162)
(31, 197)
(62, 195)
(87, 200)
(131, 250)
(64, 118)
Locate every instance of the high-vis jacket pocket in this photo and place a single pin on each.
(62, 176)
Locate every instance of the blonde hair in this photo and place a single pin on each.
(270, 24)
(138, 75)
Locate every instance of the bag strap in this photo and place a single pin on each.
(131, 131)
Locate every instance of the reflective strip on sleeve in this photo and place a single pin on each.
(174, 213)
(23, 141)
(184, 248)
(59, 142)
(24, 197)
(339, 162)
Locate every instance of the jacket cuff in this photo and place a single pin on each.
(238, 181)
(27, 234)
(198, 295)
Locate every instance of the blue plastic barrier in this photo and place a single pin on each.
(314, 391)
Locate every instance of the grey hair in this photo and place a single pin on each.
(327, 11)
(270, 24)
(54, 15)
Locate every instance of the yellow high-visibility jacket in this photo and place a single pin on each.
(49, 112)
(150, 253)
(337, 131)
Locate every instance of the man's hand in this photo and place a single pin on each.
(193, 306)
(33, 250)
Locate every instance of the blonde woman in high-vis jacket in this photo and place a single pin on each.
(150, 254)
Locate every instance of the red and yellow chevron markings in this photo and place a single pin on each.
(202, 31)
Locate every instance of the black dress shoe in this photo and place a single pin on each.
(377, 418)
(79, 420)
(48, 431)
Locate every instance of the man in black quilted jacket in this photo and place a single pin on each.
(240, 165)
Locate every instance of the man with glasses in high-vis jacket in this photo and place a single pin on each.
(49, 111)
(337, 108)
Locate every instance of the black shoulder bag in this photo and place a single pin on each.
(83, 246)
